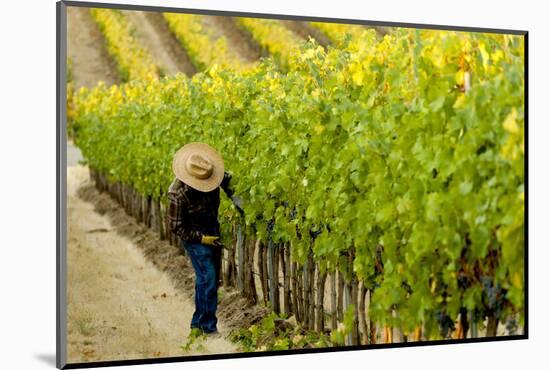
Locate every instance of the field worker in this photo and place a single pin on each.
(194, 198)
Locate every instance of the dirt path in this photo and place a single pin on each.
(120, 306)
(154, 35)
(305, 31)
(86, 51)
(237, 41)
(381, 30)
(73, 154)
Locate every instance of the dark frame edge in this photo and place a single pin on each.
(526, 186)
(290, 352)
(290, 17)
(61, 247)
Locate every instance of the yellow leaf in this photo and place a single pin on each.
(358, 77)
(319, 129)
(510, 123)
(516, 280)
(459, 103)
(508, 150)
(522, 147)
(484, 54)
(357, 74)
(309, 54)
(497, 55)
(315, 93)
(459, 77)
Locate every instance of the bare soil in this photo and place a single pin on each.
(305, 31)
(233, 310)
(73, 154)
(129, 294)
(86, 51)
(381, 30)
(154, 34)
(237, 40)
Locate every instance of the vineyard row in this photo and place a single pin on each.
(265, 273)
(396, 163)
(203, 45)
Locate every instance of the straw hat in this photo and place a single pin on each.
(198, 165)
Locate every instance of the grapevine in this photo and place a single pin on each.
(273, 37)
(337, 32)
(133, 61)
(199, 42)
(374, 157)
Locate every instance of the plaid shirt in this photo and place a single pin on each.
(192, 213)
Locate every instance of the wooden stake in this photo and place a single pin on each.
(311, 298)
(265, 281)
(252, 294)
(417, 336)
(346, 303)
(230, 271)
(459, 331)
(340, 305)
(333, 310)
(388, 334)
(299, 293)
(270, 273)
(305, 296)
(147, 211)
(373, 333)
(129, 200)
(492, 325)
(285, 266)
(296, 301)
(354, 298)
(320, 323)
(262, 271)
(162, 221)
(275, 279)
(364, 334)
(240, 258)
(246, 270)
(464, 322)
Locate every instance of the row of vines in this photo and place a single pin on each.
(204, 47)
(132, 59)
(387, 175)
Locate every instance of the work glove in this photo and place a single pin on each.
(211, 240)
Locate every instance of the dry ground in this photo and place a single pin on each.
(86, 50)
(153, 33)
(120, 306)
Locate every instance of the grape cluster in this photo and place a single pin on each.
(270, 226)
(462, 280)
(512, 325)
(494, 294)
(314, 232)
(406, 287)
(446, 324)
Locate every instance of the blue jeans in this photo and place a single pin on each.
(206, 263)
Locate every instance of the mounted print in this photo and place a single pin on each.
(238, 184)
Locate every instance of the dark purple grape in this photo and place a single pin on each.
(446, 324)
(511, 325)
(462, 281)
